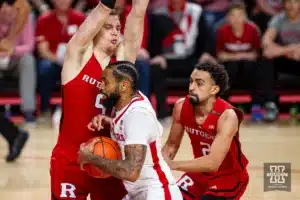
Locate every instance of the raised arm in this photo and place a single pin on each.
(176, 133)
(90, 27)
(83, 38)
(134, 29)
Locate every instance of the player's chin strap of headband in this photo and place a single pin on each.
(109, 3)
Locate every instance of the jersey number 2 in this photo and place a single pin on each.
(99, 105)
(205, 148)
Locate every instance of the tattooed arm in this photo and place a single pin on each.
(128, 169)
(139, 127)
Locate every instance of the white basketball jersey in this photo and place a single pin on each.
(136, 123)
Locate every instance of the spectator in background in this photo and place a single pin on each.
(238, 48)
(53, 32)
(214, 11)
(142, 61)
(264, 11)
(281, 43)
(13, 16)
(178, 37)
(23, 60)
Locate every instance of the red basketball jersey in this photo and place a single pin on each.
(203, 136)
(81, 101)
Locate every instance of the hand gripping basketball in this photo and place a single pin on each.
(98, 147)
(98, 122)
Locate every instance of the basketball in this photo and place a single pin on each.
(106, 148)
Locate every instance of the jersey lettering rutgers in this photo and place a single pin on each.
(81, 102)
(231, 178)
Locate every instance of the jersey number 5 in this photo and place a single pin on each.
(205, 148)
(98, 104)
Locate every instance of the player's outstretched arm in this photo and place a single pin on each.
(228, 125)
(172, 145)
(134, 29)
(90, 27)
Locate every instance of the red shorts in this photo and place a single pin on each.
(68, 181)
(195, 185)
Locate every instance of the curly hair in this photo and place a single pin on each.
(217, 73)
(125, 70)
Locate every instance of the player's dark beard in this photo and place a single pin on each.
(194, 100)
(112, 99)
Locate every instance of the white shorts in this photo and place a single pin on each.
(156, 194)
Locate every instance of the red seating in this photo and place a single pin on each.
(237, 99)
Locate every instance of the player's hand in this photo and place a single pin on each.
(159, 60)
(143, 54)
(7, 47)
(170, 162)
(85, 152)
(98, 121)
(206, 57)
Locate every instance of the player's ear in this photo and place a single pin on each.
(124, 85)
(215, 89)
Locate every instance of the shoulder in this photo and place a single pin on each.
(224, 27)
(252, 26)
(179, 104)
(277, 19)
(229, 115)
(177, 110)
(46, 17)
(139, 117)
(139, 111)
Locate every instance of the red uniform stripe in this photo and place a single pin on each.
(160, 173)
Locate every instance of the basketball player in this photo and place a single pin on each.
(87, 54)
(137, 131)
(218, 171)
(13, 17)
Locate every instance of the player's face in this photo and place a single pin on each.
(201, 87)
(292, 8)
(236, 17)
(110, 88)
(109, 35)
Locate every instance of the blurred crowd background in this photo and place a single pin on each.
(258, 42)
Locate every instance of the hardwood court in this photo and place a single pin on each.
(28, 178)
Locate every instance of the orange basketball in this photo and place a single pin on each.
(106, 148)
